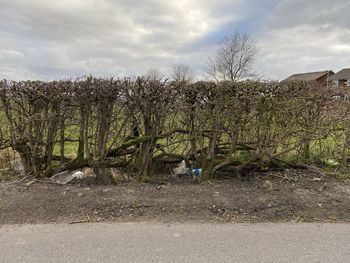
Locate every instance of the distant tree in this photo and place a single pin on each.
(154, 74)
(182, 73)
(234, 57)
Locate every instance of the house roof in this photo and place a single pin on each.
(309, 75)
(343, 74)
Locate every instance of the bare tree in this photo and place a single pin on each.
(154, 74)
(234, 57)
(182, 73)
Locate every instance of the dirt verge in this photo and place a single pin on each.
(291, 195)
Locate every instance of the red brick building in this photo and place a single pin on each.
(319, 76)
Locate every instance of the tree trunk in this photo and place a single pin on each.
(234, 142)
(86, 136)
(192, 133)
(104, 115)
(147, 147)
(62, 136)
(345, 147)
(82, 132)
(51, 134)
(306, 151)
(37, 139)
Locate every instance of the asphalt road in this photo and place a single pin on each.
(150, 242)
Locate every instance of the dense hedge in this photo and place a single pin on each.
(144, 124)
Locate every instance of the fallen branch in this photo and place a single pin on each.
(220, 166)
(22, 179)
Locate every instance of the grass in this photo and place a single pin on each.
(70, 149)
(328, 150)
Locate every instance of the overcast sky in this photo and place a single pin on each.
(43, 39)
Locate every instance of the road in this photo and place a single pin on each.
(151, 242)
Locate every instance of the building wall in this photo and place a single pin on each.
(339, 83)
(323, 79)
(342, 83)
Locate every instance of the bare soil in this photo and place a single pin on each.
(279, 196)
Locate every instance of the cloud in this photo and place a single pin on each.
(76, 37)
(301, 36)
(71, 38)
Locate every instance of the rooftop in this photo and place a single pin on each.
(343, 74)
(309, 75)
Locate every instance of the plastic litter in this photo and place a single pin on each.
(181, 169)
(197, 172)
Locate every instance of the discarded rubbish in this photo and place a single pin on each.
(78, 175)
(197, 172)
(62, 177)
(181, 169)
(68, 176)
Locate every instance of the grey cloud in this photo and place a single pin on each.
(75, 37)
(305, 36)
(311, 12)
(70, 38)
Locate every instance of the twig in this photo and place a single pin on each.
(22, 179)
(79, 222)
(46, 181)
(208, 182)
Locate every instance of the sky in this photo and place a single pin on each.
(46, 39)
